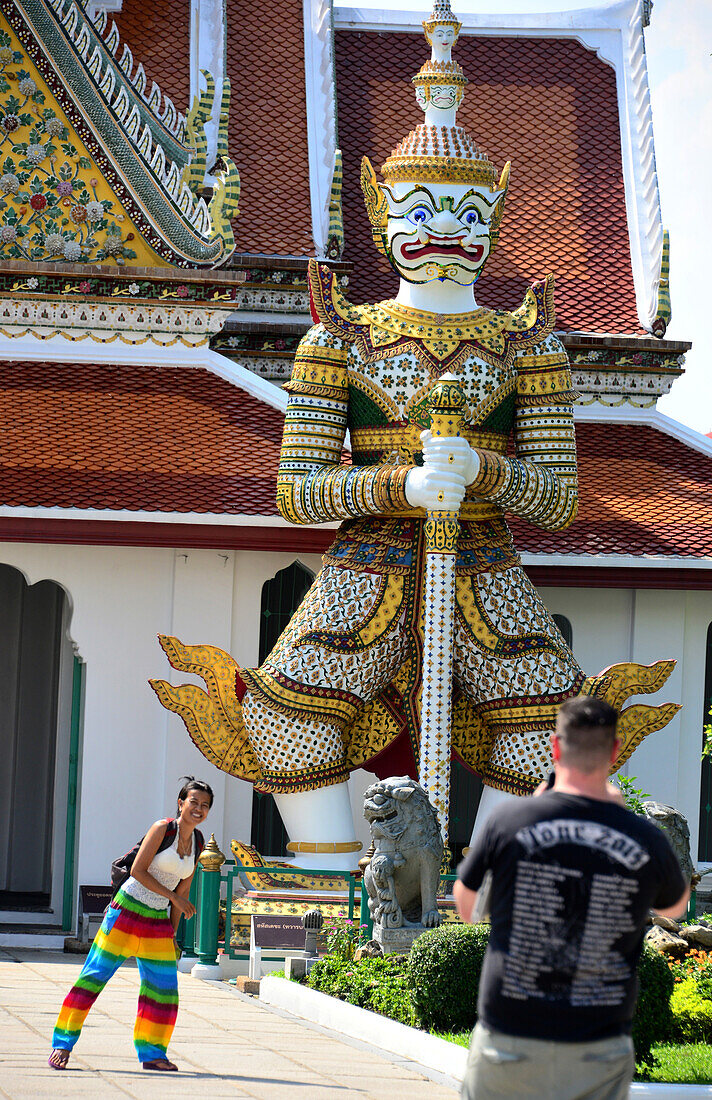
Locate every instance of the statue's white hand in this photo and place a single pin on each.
(434, 489)
(451, 453)
(449, 465)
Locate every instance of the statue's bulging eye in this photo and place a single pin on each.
(419, 215)
(471, 217)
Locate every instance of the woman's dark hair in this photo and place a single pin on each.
(193, 784)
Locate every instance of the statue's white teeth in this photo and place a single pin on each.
(385, 817)
(449, 241)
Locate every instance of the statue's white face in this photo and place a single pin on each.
(444, 36)
(441, 40)
(439, 231)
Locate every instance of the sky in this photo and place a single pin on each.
(678, 43)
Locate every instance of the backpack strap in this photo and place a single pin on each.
(169, 835)
(199, 844)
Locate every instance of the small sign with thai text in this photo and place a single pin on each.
(94, 899)
(274, 930)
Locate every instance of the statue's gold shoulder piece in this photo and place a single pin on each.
(535, 317)
(331, 308)
(542, 365)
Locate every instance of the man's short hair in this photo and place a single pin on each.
(586, 728)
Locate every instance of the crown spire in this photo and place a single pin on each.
(439, 150)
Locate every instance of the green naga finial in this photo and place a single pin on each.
(195, 137)
(663, 313)
(335, 240)
(226, 194)
(224, 117)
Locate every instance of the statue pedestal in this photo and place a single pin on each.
(397, 941)
(207, 971)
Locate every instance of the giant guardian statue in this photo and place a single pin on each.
(348, 677)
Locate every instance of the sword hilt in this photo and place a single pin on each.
(447, 406)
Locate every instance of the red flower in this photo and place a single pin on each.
(79, 214)
(182, 291)
(85, 286)
(38, 202)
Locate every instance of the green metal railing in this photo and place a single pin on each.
(202, 931)
(70, 846)
(207, 893)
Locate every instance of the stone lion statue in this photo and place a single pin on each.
(676, 829)
(402, 877)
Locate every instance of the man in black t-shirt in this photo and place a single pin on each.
(574, 875)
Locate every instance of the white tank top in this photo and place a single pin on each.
(168, 868)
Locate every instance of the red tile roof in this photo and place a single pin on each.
(268, 126)
(158, 35)
(182, 440)
(549, 106)
(141, 438)
(640, 492)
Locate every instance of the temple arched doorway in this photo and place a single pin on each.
(41, 689)
(566, 629)
(281, 596)
(704, 853)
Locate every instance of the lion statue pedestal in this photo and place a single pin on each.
(402, 877)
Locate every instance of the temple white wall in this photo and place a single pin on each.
(133, 751)
(645, 625)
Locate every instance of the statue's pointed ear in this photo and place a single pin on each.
(496, 219)
(376, 204)
(401, 793)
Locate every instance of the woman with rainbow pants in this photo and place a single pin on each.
(138, 925)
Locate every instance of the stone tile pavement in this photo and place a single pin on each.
(225, 1045)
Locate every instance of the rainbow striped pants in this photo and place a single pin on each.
(129, 929)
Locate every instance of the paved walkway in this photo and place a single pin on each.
(224, 1044)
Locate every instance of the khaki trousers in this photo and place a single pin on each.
(501, 1065)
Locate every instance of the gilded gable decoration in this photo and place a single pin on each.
(100, 175)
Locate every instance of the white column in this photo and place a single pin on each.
(698, 616)
(207, 51)
(321, 113)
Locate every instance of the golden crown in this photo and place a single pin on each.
(435, 153)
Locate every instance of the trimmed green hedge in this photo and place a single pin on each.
(378, 984)
(444, 968)
(652, 1021)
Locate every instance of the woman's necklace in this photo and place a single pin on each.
(184, 847)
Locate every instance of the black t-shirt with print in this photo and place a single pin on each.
(572, 881)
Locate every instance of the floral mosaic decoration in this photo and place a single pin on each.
(48, 208)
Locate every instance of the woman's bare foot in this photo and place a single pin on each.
(58, 1058)
(161, 1064)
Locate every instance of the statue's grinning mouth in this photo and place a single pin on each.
(455, 248)
(385, 817)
